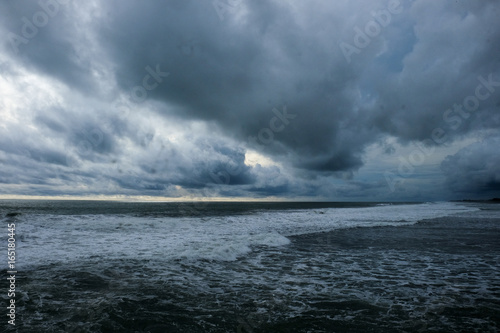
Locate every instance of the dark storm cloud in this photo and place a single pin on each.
(45, 38)
(265, 75)
(475, 170)
(453, 55)
(221, 165)
(240, 72)
(88, 135)
(239, 66)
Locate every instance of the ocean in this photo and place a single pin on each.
(96, 266)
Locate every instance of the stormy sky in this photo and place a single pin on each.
(251, 99)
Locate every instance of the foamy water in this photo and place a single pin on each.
(413, 268)
(47, 238)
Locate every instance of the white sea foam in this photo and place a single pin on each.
(44, 239)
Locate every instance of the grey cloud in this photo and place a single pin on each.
(233, 75)
(442, 70)
(238, 69)
(474, 170)
(53, 47)
(269, 56)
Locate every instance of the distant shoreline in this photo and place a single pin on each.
(494, 200)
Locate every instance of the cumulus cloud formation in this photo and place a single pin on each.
(169, 98)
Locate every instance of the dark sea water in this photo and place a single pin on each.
(254, 267)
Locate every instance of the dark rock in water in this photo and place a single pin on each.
(496, 200)
(12, 214)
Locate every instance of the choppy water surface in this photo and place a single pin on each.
(251, 268)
